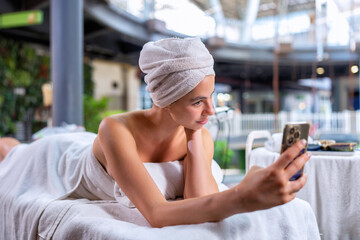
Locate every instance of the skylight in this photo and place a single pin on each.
(184, 17)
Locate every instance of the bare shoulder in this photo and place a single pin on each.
(119, 128)
(123, 121)
(114, 132)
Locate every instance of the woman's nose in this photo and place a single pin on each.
(209, 110)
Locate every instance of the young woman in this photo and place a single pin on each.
(181, 82)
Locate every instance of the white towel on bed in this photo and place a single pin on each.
(34, 175)
(81, 219)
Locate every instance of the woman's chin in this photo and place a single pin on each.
(194, 127)
(191, 125)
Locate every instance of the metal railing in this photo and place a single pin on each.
(336, 122)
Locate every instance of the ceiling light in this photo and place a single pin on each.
(320, 70)
(354, 69)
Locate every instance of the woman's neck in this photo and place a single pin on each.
(162, 122)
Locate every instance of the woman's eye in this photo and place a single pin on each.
(197, 103)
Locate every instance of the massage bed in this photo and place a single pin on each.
(36, 203)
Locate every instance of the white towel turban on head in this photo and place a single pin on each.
(174, 67)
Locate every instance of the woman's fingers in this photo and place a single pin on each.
(295, 186)
(270, 186)
(289, 155)
(297, 164)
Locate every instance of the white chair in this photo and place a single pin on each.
(261, 134)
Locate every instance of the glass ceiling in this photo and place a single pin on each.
(325, 22)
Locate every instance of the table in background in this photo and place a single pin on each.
(332, 190)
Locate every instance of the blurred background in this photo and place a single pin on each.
(69, 63)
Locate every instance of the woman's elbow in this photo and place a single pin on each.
(157, 224)
(157, 217)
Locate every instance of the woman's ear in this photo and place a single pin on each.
(168, 107)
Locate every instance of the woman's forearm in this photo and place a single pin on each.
(211, 208)
(199, 180)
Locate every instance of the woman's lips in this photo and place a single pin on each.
(203, 122)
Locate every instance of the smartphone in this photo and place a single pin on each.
(293, 132)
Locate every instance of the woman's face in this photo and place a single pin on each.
(193, 110)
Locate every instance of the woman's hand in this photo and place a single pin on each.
(264, 188)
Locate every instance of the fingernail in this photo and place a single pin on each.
(303, 141)
(309, 154)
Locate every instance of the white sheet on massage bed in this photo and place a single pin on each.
(84, 219)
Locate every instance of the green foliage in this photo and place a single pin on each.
(88, 82)
(93, 112)
(222, 155)
(93, 109)
(20, 68)
(111, 112)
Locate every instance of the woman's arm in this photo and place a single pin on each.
(199, 180)
(260, 189)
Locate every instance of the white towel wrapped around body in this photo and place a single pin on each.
(33, 175)
(96, 183)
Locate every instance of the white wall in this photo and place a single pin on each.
(133, 88)
(106, 73)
